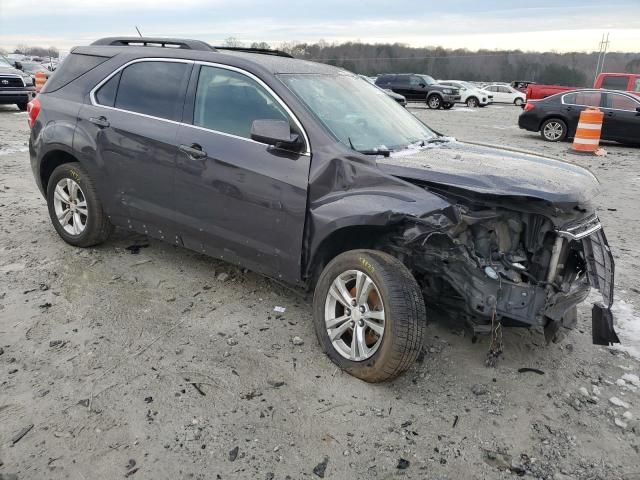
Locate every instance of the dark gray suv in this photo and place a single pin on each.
(308, 174)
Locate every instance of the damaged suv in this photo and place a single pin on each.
(306, 173)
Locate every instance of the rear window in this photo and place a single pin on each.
(73, 66)
(152, 88)
(615, 83)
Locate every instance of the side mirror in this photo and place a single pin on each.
(422, 85)
(276, 133)
(18, 66)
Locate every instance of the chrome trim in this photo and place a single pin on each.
(94, 102)
(590, 226)
(15, 75)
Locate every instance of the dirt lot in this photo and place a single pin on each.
(168, 364)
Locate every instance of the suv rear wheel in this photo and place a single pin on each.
(74, 207)
(472, 102)
(518, 102)
(434, 102)
(369, 314)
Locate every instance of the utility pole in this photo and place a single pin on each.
(138, 30)
(602, 53)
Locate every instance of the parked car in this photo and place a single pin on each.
(521, 85)
(505, 94)
(629, 82)
(470, 95)
(32, 68)
(303, 172)
(395, 96)
(556, 117)
(538, 92)
(16, 87)
(421, 88)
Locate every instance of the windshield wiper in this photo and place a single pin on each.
(385, 152)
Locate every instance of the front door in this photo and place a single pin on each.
(237, 199)
(133, 117)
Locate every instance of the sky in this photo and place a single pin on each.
(541, 25)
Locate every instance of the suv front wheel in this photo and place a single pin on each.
(74, 207)
(434, 102)
(369, 314)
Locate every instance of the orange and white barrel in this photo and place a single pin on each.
(41, 78)
(587, 139)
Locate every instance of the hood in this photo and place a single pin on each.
(494, 171)
(10, 70)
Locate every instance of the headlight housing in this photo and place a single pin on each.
(448, 91)
(28, 81)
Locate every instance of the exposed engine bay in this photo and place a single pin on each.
(493, 264)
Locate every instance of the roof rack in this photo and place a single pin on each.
(262, 51)
(155, 42)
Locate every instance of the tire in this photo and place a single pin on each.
(472, 102)
(553, 130)
(447, 106)
(434, 102)
(395, 291)
(22, 106)
(96, 227)
(518, 102)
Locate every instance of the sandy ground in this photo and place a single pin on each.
(168, 364)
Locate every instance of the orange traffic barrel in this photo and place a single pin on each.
(41, 78)
(587, 139)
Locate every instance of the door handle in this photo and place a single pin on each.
(100, 121)
(193, 151)
(609, 114)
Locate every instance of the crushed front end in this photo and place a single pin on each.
(527, 266)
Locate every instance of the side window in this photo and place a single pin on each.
(621, 102)
(492, 89)
(636, 86)
(416, 81)
(588, 99)
(504, 90)
(402, 80)
(229, 102)
(153, 88)
(569, 99)
(106, 95)
(615, 83)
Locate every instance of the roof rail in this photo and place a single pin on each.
(155, 42)
(262, 51)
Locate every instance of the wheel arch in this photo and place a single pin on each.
(52, 160)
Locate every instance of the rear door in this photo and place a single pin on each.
(133, 122)
(237, 199)
(574, 103)
(621, 119)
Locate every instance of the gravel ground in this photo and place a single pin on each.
(168, 364)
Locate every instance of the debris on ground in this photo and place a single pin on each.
(320, 468)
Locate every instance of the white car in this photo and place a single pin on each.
(505, 94)
(469, 93)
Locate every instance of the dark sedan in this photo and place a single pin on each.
(556, 117)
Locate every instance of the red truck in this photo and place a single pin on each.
(629, 82)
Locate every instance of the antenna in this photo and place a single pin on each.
(138, 30)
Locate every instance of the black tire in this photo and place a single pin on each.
(405, 315)
(22, 106)
(434, 102)
(553, 130)
(518, 102)
(447, 106)
(97, 227)
(472, 102)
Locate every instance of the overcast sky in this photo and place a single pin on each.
(577, 25)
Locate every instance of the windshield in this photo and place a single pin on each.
(358, 114)
(4, 62)
(429, 80)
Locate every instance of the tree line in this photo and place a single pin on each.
(571, 69)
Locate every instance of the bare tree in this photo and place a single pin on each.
(233, 42)
(262, 45)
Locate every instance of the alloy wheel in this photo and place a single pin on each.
(553, 131)
(354, 315)
(70, 205)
